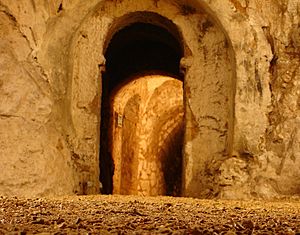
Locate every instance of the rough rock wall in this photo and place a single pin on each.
(34, 156)
(283, 136)
(268, 166)
(41, 156)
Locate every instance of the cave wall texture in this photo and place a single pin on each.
(241, 93)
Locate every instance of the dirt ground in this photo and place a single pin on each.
(147, 215)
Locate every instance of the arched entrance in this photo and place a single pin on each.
(208, 65)
(142, 109)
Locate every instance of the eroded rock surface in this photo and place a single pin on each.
(241, 93)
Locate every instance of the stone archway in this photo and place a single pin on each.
(151, 46)
(209, 85)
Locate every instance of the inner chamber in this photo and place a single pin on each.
(142, 112)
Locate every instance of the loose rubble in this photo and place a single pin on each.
(147, 215)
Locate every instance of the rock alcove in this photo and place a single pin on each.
(166, 99)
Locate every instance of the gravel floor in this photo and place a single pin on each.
(147, 215)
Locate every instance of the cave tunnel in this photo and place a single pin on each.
(142, 81)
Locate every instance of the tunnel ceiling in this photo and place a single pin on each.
(142, 48)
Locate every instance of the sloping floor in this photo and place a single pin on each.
(147, 215)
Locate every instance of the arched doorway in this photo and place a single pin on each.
(209, 85)
(142, 110)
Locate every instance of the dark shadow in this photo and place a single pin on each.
(172, 162)
(106, 162)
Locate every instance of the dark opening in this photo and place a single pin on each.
(140, 48)
(172, 162)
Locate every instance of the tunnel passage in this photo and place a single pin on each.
(142, 112)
